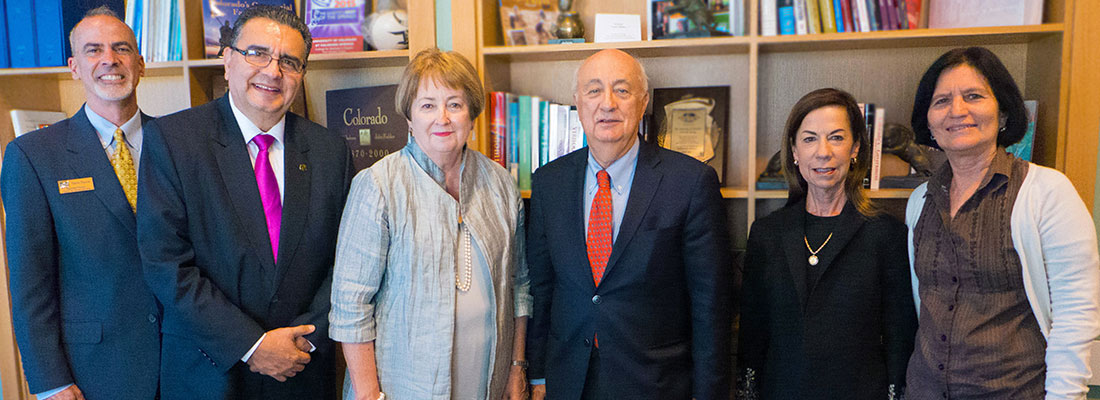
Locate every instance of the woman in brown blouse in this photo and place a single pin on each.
(1003, 252)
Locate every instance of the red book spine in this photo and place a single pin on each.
(499, 127)
(913, 13)
(846, 10)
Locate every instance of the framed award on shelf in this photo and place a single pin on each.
(693, 121)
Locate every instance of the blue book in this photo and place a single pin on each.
(838, 12)
(513, 131)
(175, 52)
(872, 15)
(786, 17)
(21, 37)
(524, 136)
(47, 24)
(544, 132)
(4, 63)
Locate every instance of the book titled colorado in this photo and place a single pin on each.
(218, 17)
(366, 117)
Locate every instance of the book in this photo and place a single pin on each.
(913, 13)
(769, 18)
(846, 12)
(536, 108)
(1023, 148)
(499, 128)
(969, 13)
(4, 61)
(526, 22)
(693, 121)
(513, 135)
(21, 36)
(838, 15)
(876, 149)
(872, 15)
(47, 25)
(367, 118)
(813, 17)
(336, 26)
(859, 12)
(218, 17)
(25, 121)
(800, 21)
(544, 132)
(785, 9)
(523, 139)
(828, 20)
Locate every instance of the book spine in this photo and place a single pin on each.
(786, 17)
(536, 108)
(912, 13)
(4, 61)
(846, 13)
(21, 37)
(523, 136)
(513, 136)
(900, 14)
(800, 17)
(861, 15)
(828, 20)
(544, 132)
(872, 15)
(838, 16)
(813, 17)
(876, 153)
(769, 18)
(886, 9)
(499, 127)
(576, 131)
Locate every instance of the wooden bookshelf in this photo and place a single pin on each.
(767, 74)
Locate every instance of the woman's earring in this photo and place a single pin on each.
(853, 161)
(795, 162)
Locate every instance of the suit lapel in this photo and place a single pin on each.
(90, 160)
(646, 184)
(572, 208)
(235, 168)
(793, 245)
(296, 181)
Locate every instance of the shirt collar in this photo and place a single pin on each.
(249, 129)
(427, 164)
(106, 129)
(621, 171)
(1000, 169)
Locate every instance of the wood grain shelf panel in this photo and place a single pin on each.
(910, 38)
(645, 48)
(169, 68)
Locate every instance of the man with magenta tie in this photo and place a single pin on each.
(237, 223)
(629, 258)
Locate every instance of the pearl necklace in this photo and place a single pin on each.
(463, 283)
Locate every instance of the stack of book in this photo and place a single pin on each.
(800, 17)
(156, 24)
(528, 132)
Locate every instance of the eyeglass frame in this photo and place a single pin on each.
(270, 58)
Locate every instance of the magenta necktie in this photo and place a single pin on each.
(269, 191)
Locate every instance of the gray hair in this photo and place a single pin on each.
(274, 13)
(101, 11)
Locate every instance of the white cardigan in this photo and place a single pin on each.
(1054, 235)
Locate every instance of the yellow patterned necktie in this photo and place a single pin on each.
(124, 168)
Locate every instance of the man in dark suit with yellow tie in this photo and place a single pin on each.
(86, 324)
(237, 223)
(629, 258)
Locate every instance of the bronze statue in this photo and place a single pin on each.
(696, 11)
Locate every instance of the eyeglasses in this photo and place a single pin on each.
(262, 58)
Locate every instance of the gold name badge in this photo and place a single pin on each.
(75, 185)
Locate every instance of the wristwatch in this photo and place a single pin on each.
(520, 363)
(381, 396)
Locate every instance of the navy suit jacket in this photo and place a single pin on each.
(206, 254)
(663, 307)
(81, 310)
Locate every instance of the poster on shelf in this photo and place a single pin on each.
(218, 17)
(527, 22)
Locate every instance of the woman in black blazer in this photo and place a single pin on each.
(827, 308)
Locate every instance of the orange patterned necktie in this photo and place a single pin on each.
(600, 227)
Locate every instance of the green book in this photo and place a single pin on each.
(523, 134)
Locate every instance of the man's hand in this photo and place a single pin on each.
(516, 389)
(70, 393)
(538, 392)
(279, 355)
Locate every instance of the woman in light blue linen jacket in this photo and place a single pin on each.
(430, 290)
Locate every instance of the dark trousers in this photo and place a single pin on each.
(592, 378)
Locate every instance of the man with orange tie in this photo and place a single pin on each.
(84, 319)
(237, 223)
(629, 258)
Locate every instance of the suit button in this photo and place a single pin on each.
(596, 299)
(152, 319)
(587, 342)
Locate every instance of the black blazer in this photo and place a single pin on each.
(850, 334)
(662, 309)
(207, 257)
(82, 313)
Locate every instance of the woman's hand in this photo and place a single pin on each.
(517, 384)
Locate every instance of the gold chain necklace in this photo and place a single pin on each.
(813, 253)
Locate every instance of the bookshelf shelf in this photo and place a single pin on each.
(644, 48)
(910, 38)
(361, 59)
